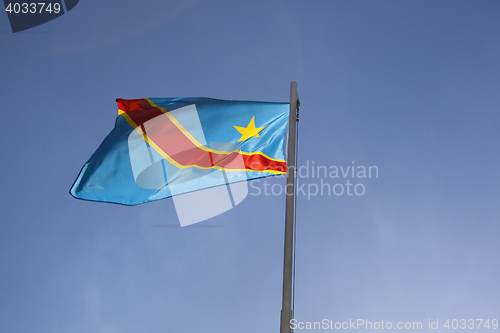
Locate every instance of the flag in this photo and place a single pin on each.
(162, 147)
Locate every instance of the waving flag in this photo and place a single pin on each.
(163, 147)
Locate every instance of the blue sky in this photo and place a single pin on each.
(411, 87)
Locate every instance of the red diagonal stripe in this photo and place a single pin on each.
(168, 137)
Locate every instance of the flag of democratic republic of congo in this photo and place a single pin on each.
(161, 147)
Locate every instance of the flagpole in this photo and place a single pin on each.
(286, 309)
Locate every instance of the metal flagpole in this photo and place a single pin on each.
(286, 308)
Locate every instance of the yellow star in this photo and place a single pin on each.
(249, 131)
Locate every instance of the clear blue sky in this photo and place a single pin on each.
(411, 87)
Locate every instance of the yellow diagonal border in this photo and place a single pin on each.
(160, 151)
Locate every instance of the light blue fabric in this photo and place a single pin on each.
(108, 176)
